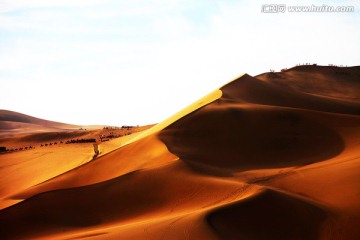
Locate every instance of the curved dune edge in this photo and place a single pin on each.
(289, 128)
(278, 215)
(193, 107)
(286, 137)
(23, 170)
(121, 201)
(185, 225)
(209, 98)
(160, 126)
(112, 165)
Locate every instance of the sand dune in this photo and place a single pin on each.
(11, 116)
(21, 170)
(14, 123)
(278, 212)
(252, 90)
(255, 137)
(274, 156)
(335, 82)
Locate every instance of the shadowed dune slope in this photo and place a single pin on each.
(136, 196)
(242, 137)
(281, 217)
(336, 82)
(252, 90)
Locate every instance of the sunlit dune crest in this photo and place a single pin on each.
(275, 156)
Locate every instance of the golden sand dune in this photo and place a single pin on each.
(269, 157)
(47, 155)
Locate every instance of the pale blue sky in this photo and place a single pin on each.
(138, 62)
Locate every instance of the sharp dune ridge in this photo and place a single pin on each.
(275, 156)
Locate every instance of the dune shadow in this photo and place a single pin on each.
(269, 215)
(236, 138)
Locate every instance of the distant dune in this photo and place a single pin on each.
(13, 123)
(334, 82)
(275, 156)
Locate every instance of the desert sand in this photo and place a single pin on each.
(275, 156)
